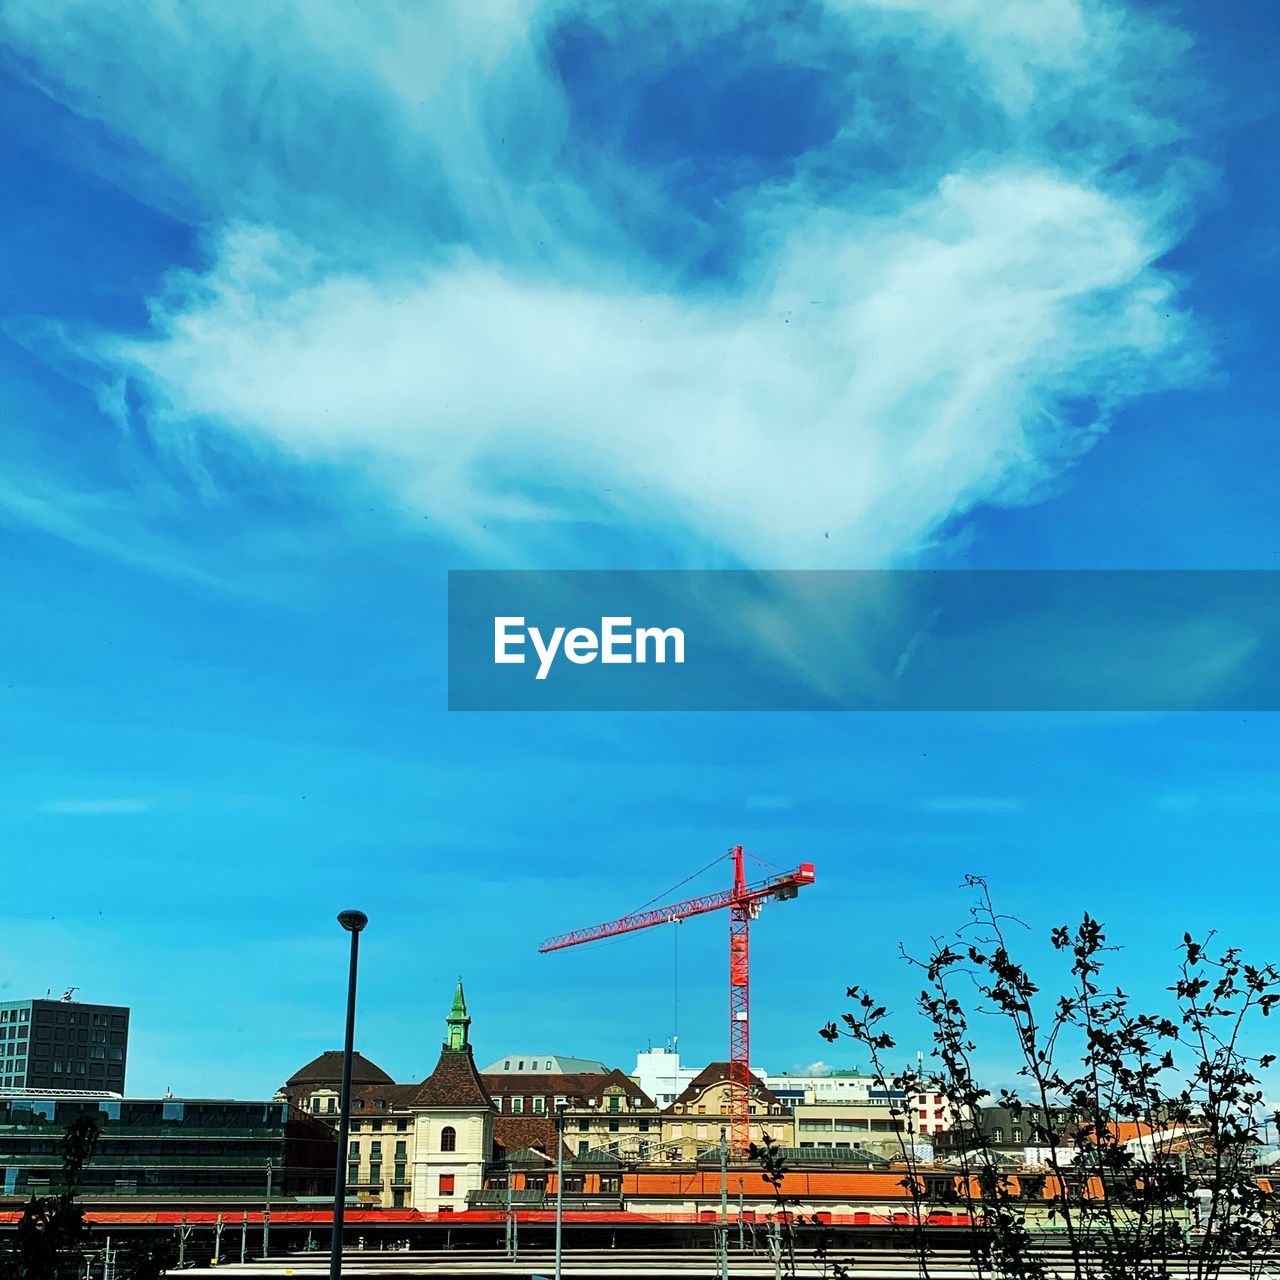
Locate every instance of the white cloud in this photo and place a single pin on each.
(973, 804)
(815, 1069)
(408, 277)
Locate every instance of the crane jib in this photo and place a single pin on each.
(783, 887)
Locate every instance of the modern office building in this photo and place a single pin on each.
(167, 1150)
(63, 1044)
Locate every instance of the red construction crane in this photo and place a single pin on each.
(743, 901)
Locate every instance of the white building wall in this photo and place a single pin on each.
(659, 1073)
(662, 1076)
(466, 1162)
(826, 1088)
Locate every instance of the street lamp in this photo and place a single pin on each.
(353, 922)
(560, 1110)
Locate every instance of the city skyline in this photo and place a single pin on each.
(307, 305)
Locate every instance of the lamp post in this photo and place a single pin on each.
(560, 1110)
(353, 922)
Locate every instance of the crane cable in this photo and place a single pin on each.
(666, 893)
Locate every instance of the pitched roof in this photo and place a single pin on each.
(327, 1069)
(365, 1097)
(454, 1083)
(574, 1085)
(514, 1133)
(528, 1155)
(717, 1073)
(543, 1062)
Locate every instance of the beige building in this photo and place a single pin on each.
(380, 1145)
(416, 1146)
(871, 1125)
(452, 1123)
(697, 1120)
(877, 1126)
(604, 1111)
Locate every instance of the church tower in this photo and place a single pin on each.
(452, 1122)
(459, 1023)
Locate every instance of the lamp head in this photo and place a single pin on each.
(352, 921)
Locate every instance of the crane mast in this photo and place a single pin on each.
(743, 901)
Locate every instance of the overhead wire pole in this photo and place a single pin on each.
(744, 901)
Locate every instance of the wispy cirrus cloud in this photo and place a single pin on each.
(477, 256)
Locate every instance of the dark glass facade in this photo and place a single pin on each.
(167, 1150)
(63, 1044)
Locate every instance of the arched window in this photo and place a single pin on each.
(448, 1138)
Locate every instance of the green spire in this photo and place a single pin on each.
(458, 1020)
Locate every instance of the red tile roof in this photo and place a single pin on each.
(327, 1069)
(454, 1083)
(578, 1087)
(515, 1133)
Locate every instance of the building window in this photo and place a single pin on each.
(446, 1184)
(584, 1125)
(353, 1151)
(583, 1148)
(613, 1126)
(375, 1174)
(539, 1104)
(353, 1174)
(517, 1106)
(614, 1102)
(448, 1139)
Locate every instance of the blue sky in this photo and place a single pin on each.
(306, 304)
